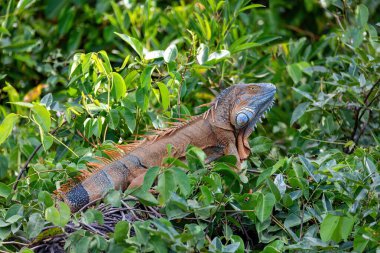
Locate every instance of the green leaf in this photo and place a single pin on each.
(22, 104)
(206, 195)
(165, 186)
(66, 21)
(165, 99)
(202, 54)
(145, 78)
(106, 60)
(14, 213)
(7, 125)
(34, 225)
(170, 54)
(182, 181)
(65, 213)
(5, 232)
(113, 119)
(4, 30)
(45, 197)
(362, 14)
(58, 218)
(195, 158)
(156, 54)
(42, 117)
(91, 215)
(274, 247)
(83, 244)
(113, 198)
(299, 111)
(336, 228)
(360, 241)
(129, 118)
(122, 230)
(5, 190)
(304, 94)
(252, 6)
(294, 72)
(264, 205)
(119, 89)
(133, 42)
(150, 177)
(309, 168)
(131, 78)
(52, 215)
(218, 56)
(274, 189)
(229, 176)
(260, 145)
(47, 141)
(238, 239)
(47, 100)
(26, 250)
(145, 197)
(142, 98)
(244, 46)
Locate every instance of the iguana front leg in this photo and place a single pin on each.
(231, 149)
(138, 178)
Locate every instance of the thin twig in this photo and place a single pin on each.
(93, 229)
(250, 242)
(302, 217)
(16, 243)
(180, 86)
(89, 204)
(359, 113)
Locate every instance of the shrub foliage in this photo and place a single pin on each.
(78, 77)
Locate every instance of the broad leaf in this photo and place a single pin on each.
(7, 125)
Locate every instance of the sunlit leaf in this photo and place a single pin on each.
(7, 125)
(133, 42)
(165, 99)
(170, 54)
(42, 116)
(119, 88)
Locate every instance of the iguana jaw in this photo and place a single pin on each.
(260, 106)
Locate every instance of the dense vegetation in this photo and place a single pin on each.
(78, 77)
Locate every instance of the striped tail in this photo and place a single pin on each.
(116, 174)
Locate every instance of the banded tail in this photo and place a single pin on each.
(117, 173)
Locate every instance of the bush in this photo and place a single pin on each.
(79, 77)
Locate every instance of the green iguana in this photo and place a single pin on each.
(222, 130)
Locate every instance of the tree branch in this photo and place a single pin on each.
(359, 113)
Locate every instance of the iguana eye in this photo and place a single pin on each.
(242, 119)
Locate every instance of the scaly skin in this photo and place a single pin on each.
(222, 130)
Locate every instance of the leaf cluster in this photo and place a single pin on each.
(79, 77)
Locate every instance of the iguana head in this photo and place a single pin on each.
(240, 107)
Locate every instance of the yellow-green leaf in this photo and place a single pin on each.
(7, 125)
(42, 116)
(133, 42)
(58, 218)
(165, 99)
(119, 89)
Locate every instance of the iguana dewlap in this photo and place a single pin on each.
(222, 130)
